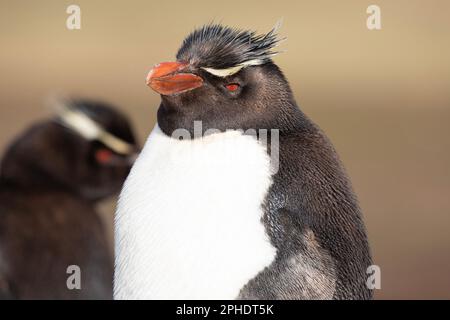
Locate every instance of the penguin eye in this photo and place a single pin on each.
(232, 87)
(103, 156)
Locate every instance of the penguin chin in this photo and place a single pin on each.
(109, 186)
(97, 194)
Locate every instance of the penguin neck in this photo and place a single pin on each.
(285, 116)
(16, 174)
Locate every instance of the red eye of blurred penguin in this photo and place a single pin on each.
(211, 217)
(51, 178)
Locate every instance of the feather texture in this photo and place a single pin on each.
(217, 47)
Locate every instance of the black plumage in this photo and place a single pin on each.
(221, 47)
(50, 181)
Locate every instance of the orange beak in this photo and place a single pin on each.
(167, 78)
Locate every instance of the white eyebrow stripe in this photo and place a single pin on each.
(90, 130)
(224, 72)
(232, 70)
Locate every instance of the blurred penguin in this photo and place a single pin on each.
(51, 178)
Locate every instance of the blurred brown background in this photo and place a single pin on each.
(382, 97)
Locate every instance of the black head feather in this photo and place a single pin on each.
(216, 46)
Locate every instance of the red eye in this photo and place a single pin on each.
(232, 87)
(103, 155)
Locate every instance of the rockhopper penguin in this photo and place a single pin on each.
(51, 177)
(208, 211)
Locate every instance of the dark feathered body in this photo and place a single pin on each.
(43, 232)
(314, 221)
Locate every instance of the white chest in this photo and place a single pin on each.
(188, 223)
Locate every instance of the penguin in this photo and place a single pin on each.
(51, 178)
(237, 194)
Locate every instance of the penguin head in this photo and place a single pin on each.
(87, 149)
(224, 78)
